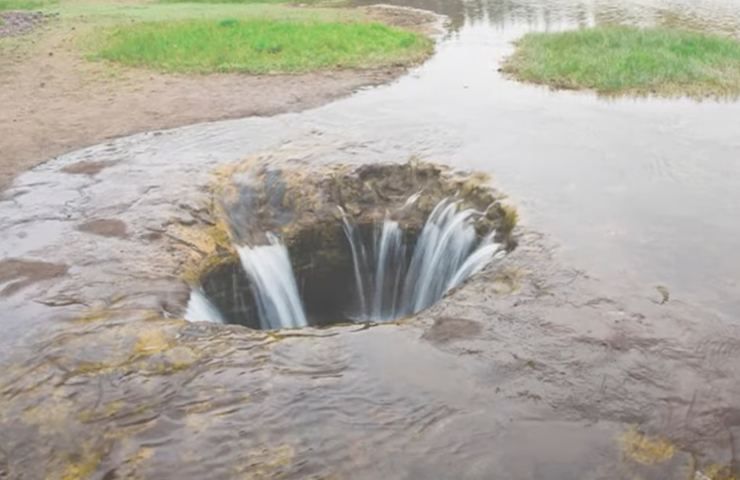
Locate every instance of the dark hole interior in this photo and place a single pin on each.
(322, 263)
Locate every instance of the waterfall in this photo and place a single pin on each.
(388, 258)
(486, 251)
(273, 284)
(200, 309)
(359, 260)
(379, 274)
(446, 242)
(446, 253)
(392, 279)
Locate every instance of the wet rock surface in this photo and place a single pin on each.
(258, 197)
(541, 388)
(17, 273)
(86, 167)
(309, 210)
(529, 370)
(447, 329)
(105, 227)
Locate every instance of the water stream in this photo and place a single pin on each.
(394, 280)
(636, 192)
(273, 285)
(201, 309)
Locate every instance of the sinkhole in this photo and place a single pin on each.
(373, 244)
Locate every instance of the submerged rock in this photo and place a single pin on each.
(106, 227)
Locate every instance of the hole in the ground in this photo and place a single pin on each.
(365, 266)
(320, 267)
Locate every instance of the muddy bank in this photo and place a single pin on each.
(490, 381)
(55, 101)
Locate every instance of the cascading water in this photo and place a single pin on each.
(394, 274)
(200, 309)
(379, 274)
(446, 253)
(273, 285)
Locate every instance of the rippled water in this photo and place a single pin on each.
(717, 15)
(639, 192)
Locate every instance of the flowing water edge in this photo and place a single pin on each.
(387, 286)
(563, 361)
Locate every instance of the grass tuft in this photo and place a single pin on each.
(314, 3)
(261, 46)
(622, 60)
(510, 219)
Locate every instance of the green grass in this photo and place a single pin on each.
(622, 60)
(226, 1)
(327, 3)
(25, 4)
(260, 46)
(101, 14)
(324, 3)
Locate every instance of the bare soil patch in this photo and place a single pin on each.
(55, 101)
(414, 19)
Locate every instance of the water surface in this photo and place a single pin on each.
(639, 192)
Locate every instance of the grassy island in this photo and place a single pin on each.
(616, 60)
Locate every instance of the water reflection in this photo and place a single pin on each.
(703, 15)
(638, 191)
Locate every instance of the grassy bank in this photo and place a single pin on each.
(25, 4)
(260, 46)
(622, 60)
(226, 1)
(101, 14)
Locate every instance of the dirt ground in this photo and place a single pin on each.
(54, 101)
